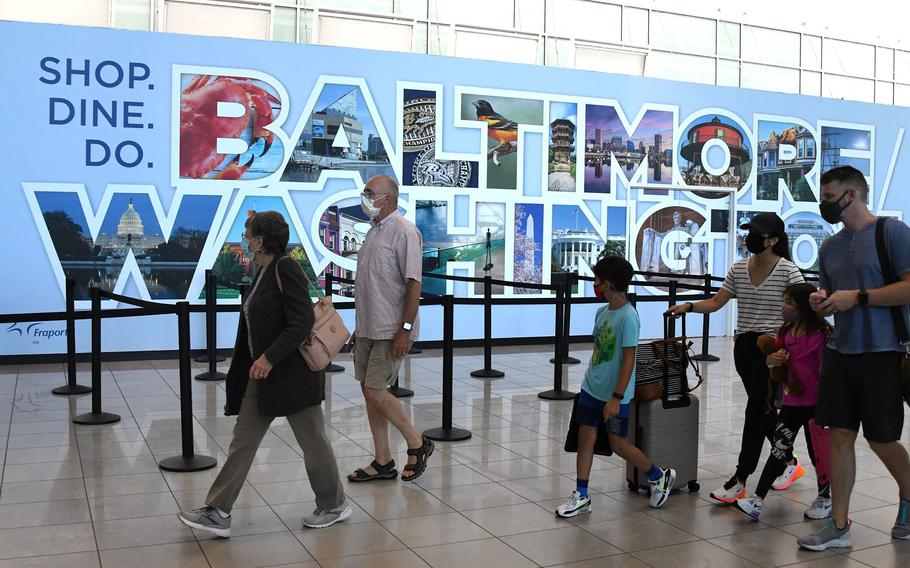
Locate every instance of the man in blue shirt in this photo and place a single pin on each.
(860, 374)
(609, 386)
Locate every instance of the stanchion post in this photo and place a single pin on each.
(558, 393)
(187, 461)
(571, 280)
(488, 372)
(706, 329)
(329, 285)
(71, 387)
(671, 300)
(211, 329)
(447, 433)
(211, 322)
(96, 416)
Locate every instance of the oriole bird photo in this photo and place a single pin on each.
(499, 128)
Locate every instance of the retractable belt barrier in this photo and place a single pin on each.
(562, 300)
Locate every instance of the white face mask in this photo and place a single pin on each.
(369, 206)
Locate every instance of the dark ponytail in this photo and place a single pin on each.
(782, 247)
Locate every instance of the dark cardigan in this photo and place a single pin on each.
(279, 322)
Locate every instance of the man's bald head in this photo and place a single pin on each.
(383, 184)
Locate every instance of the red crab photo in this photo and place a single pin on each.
(255, 106)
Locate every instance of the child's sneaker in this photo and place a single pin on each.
(901, 527)
(829, 536)
(820, 508)
(576, 505)
(660, 489)
(732, 490)
(751, 506)
(793, 472)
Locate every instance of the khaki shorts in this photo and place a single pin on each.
(374, 365)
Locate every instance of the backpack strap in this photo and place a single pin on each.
(890, 277)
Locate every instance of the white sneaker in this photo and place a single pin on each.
(751, 506)
(793, 472)
(820, 508)
(729, 492)
(576, 505)
(660, 489)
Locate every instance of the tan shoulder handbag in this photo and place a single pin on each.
(329, 333)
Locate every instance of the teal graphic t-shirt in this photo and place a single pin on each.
(613, 330)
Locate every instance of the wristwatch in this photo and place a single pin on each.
(618, 396)
(863, 298)
(407, 326)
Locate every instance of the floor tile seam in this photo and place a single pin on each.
(9, 430)
(637, 552)
(765, 528)
(145, 439)
(499, 539)
(694, 537)
(302, 530)
(760, 525)
(847, 551)
(515, 478)
(88, 504)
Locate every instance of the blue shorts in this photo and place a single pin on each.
(590, 412)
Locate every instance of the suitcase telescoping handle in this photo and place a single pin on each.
(670, 325)
(681, 400)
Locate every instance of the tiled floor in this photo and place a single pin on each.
(84, 496)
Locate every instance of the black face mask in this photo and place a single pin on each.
(755, 243)
(831, 210)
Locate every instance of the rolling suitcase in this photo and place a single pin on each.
(666, 428)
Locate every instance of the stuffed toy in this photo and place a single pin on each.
(781, 375)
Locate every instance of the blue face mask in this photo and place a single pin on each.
(245, 248)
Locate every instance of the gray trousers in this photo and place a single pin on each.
(318, 457)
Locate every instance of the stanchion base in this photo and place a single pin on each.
(567, 360)
(708, 357)
(206, 376)
(415, 351)
(186, 464)
(447, 434)
(556, 395)
(204, 358)
(487, 374)
(95, 419)
(399, 392)
(67, 390)
(333, 368)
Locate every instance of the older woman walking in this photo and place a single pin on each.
(268, 377)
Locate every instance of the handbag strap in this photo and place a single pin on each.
(308, 281)
(890, 277)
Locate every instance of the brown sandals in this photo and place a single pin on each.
(386, 471)
(422, 453)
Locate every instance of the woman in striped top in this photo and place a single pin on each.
(758, 284)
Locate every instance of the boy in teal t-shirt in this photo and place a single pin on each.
(609, 386)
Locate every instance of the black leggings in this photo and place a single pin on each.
(759, 421)
(790, 420)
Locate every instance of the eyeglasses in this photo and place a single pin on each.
(370, 195)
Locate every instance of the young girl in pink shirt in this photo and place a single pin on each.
(804, 335)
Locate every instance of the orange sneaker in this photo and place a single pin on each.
(730, 491)
(793, 472)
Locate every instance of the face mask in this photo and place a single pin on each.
(789, 314)
(755, 243)
(369, 206)
(245, 248)
(831, 210)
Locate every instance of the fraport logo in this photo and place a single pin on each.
(35, 332)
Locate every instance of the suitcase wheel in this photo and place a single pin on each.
(694, 487)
